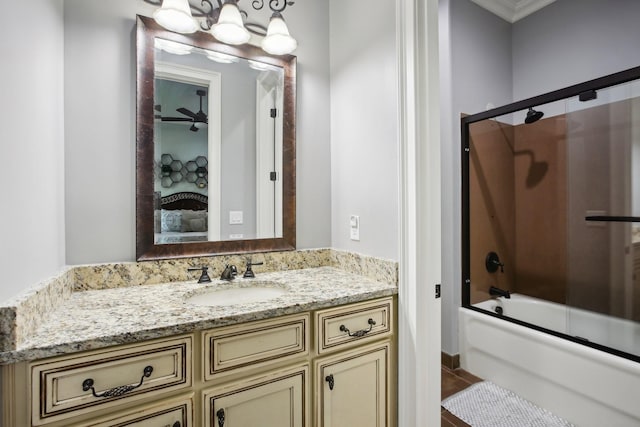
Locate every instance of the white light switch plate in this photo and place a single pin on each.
(354, 227)
(235, 217)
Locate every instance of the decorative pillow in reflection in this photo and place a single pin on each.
(171, 221)
(194, 221)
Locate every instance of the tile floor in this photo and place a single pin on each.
(454, 381)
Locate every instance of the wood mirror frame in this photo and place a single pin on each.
(146, 249)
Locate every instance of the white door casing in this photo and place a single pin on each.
(213, 81)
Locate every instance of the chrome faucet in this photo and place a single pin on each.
(204, 277)
(229, 273)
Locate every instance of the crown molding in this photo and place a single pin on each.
(512, 10)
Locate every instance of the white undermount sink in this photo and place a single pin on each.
(232, 295)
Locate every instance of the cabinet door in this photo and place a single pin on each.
(275, 400)
(169, 413)
(352, 388)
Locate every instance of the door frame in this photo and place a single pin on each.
(419, 309)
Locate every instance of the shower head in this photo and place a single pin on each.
(533, 116)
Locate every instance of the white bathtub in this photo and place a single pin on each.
(585, 386)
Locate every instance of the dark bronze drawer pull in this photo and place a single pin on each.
(330, 380)
(220, 415)
(176, 424)
(361, 332)
(116, 391)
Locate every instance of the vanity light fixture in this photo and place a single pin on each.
(229, 28)
(225, 22)
(175, 15)
(278, 41)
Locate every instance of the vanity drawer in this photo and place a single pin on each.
(254, 344)
(353, 324)
(170, 413)
(74, 385)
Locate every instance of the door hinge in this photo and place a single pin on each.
(438, 290)
(274, 112)
(273, 176)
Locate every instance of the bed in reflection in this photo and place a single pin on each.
(181, 217)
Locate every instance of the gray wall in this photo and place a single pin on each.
(77, 200)
(364, 126)
(100, 136)
(32, 138)
(475, 71)
(571, 41)
(486, 59)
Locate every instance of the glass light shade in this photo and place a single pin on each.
(175, 15)
(173, 47)
(229, 28)
(278, 41)
(222, 58)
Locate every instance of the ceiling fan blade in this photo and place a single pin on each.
(201, 117)
(187, 113)
(175, 119)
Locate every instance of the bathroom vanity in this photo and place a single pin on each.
(321, 353)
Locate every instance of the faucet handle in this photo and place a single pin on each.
(204, 277)
(492, 262)
(248, 274)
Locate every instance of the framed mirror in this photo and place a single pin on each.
(215, 146)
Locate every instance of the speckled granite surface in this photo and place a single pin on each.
(100, 318)
(24, 318)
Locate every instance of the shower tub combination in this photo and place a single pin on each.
(580, 364)
(586, 386)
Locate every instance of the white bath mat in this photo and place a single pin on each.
(485, 404)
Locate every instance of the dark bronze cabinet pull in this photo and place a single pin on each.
(116, 391)
(220, 415)
(330, 380)
(361, 332)
(176, 424)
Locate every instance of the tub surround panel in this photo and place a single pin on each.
(540, 209)
(492, 198)
(94, 306)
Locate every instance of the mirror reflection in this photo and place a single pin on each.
(215, 146)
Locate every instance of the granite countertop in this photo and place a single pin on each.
(100, 318)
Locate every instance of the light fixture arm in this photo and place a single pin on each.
(276, 6)
(210, 10)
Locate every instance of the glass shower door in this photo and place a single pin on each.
(603, 207)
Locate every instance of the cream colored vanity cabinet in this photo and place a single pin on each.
(332, 367)
(355, 377)
(276, 399)
(124, 385)
(259, 373)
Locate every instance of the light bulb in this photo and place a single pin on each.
(175, 15)
(278, 41)
(229, 28)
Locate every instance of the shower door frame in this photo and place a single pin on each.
(465, 122)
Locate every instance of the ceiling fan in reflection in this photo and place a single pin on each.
(197, 120)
